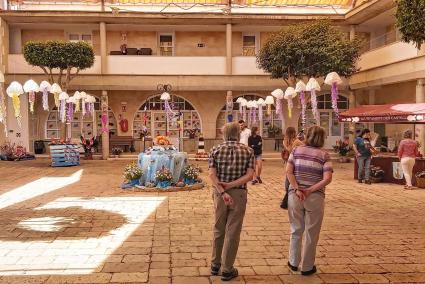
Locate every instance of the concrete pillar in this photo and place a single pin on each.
(105, 135)
(229, 63)
(4, 45)
(103, 49)
(352, 104)
(372, 94)
(420, 98)
(352, 32)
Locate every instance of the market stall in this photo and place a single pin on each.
(412, 114)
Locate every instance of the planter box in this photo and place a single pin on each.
(65, 155)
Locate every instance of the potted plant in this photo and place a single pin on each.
(191, 174)
(116, 151)
(163, 178)
(132, 175)
(89, 145)
(420, 179)
(376, 174)
(343, 148)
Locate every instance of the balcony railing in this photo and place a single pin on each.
(388, 54)
(153, 65)
(18, 65)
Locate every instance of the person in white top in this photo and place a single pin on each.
(245, 133)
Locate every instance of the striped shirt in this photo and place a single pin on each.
(309, 165)
(231, 160)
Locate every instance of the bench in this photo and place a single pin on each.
(125, 142)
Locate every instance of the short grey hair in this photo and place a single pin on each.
(231, 131)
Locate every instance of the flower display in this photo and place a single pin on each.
(420, 174)
(162, 140)
(191, 172)
(163, 174)
(132, 172)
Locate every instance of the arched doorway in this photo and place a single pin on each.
(152, 116)
(273, 119)
(335, 130)
(88, 126)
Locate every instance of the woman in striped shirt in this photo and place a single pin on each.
(309, 171)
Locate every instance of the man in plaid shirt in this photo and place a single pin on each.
(231, 166)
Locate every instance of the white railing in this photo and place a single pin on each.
(166, 65)
(388, 54)
(18, 65)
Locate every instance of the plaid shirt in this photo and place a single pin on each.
(231, 160)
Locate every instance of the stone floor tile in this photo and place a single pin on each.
(262, 280)
(338, 278)
(135, 277)
(190, 280)
(185, 271)
(159, 272)
(371, 278)
(83, 279)
(299, 279)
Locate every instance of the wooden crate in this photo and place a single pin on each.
(64, 155)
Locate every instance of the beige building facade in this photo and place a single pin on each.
(204, 56)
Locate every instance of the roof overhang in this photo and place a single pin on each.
(391, 113)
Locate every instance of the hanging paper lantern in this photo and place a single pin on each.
(45, 88)
(269, 102)
(289, 95)
(239, 101)
(243, 104)
(89, 102)
(313, 87)
(56, 90)
(63, 97)
(334, 80)
(83, 96)
(70, 111)
(77, 97)
(261, 103)
(279, 94)
(14, 91)
(31, 87)
(301, 88)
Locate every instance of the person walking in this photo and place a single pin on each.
(407, 152)
(245, 132)
(309, 171)
(363, 150)
(290, 142)
(256, 143)
(231, 167)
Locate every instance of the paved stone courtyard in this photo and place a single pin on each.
(74, 225)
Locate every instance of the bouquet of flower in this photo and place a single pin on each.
(162, 140)
(376, 172)
(132, 172)
(191, 172)
(163, 174)
(56, 141)
(116, 151)
(88, 145)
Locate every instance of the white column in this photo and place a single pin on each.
(229, 63)
(103, 49)
(420, 98)
(105, 135)
(352, 104)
